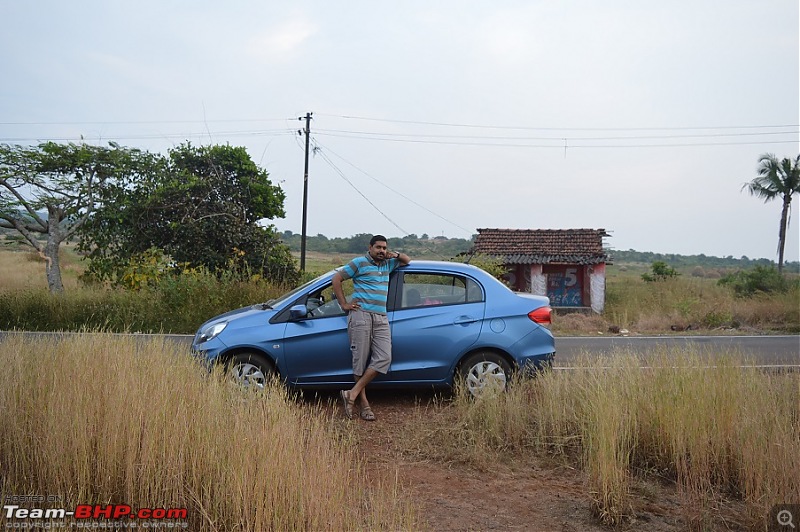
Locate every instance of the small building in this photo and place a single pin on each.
(566, 265)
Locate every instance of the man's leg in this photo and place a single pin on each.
(380, 361)
(359, 390)
(359, 331)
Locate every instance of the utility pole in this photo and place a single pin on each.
(305, 195)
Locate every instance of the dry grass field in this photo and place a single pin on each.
(727, 439)
(102, 419)
(23, 269)
(107, 419)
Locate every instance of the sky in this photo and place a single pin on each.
(641, 117)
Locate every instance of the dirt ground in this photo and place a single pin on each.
(513, 494)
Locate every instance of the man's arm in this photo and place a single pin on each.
(339, 293)
(402, 258)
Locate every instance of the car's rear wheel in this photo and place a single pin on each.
(485, 371)
(251, 370)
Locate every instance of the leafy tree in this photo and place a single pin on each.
(52, 190)
(203, 206)
(777, 179)
(661, 271)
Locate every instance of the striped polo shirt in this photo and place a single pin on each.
(370, 281)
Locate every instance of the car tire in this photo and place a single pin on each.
(251, 370)
(483, 371)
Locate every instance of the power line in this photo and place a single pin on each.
(138, 122)
(530, 128)
(560, 146)
(560, 138)
(257, 133)
(341, 174)
(397, 192)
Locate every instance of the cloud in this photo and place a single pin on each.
(280, 44)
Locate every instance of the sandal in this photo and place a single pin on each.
(367, 414)
(347, 403)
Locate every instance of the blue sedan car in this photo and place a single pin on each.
(448, 321)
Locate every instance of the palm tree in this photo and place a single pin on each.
(777, 179)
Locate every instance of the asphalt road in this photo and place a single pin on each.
(756, 350)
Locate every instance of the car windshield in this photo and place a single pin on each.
(274, 303)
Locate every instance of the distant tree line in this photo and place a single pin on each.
(442, 247)
(439, 247)
(689, 261)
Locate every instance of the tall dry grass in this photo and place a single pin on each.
(683, 301)
(719, 431)
(101, 419)
(25, 270)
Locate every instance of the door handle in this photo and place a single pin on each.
(463, 320)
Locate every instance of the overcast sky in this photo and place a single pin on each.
(641, 117)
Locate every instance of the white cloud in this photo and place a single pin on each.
(280, 44)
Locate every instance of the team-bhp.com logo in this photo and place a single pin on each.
(94, 516)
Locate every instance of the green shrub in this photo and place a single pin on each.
(176, 304)
(761, 279)
(661, 271)
(491, 265)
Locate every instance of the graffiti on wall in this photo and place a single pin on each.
(565, 288)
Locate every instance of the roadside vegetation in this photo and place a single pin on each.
(688, 303)
(157, 303)
(154, 299)
(103, 419)
(170, 435)
(726, 437)
(722, 434)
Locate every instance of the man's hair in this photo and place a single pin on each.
(377, 238)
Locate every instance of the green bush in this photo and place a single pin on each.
(661, 272)
(490, 264)
(176, 304)
(761, 279)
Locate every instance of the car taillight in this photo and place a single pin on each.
(542, 315)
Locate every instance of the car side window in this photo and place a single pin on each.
(474, 291)
(322, 303)
(429, 289)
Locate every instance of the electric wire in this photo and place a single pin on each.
(138, 122)
(494, 137)
(606, 141)
(395, 191)
(325, 158)
(483, 126)
(561, 146)
(70, 138)
(321, 151)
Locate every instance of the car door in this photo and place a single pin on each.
(316, 347)
(437, 317)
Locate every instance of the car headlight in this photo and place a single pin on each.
(212, 331)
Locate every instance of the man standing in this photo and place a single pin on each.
(367, 324)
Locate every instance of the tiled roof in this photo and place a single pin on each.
(543, 246)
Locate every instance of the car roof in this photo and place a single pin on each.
(440, 265)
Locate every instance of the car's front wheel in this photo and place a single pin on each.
(251, 370)
(483, 371)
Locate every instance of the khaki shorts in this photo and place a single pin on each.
(369, 332)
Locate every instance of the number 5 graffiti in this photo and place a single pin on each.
(571, 275)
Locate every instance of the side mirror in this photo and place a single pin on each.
(298, 312)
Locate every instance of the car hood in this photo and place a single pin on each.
(242, 313)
